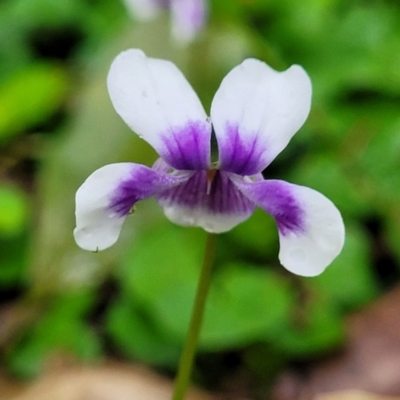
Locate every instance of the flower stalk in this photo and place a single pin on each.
(189, 349)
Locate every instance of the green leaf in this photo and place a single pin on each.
(255, 238)
(161, 274)
(14, 211)
(349, 282)
(162, 259)
(245, 304)
(61, 329)
(135, 335)
(30, 96)
(13, 234)
(380, 161)
(14, 260)
(324, 173)
(316, 327)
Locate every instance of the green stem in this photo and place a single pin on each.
(189, 349)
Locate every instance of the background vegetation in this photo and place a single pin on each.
(132, 301)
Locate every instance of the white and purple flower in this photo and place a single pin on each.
(254, 114)
(187, 16)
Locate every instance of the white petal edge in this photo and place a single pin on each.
(261, 101)
(211, 223)
(311, 252)
(152, 96)
(98, 227)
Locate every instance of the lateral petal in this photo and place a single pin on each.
(255, 113)
(311, 229)
(156, 101)
(106, 198)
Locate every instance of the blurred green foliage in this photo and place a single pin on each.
(61, 330)
(30, 97)
(134, 300)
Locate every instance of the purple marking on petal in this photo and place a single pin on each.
(240, 154)
(143, 182)
(278, 199)
(284, 207)
(188, 147)
(215, 196)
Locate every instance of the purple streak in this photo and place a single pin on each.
(279, 199)
(241, 154)
(188, 147)
(210, 191)
(141, 183)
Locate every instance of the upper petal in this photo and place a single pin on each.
(255, 113)
(106, 198)
(188, 17)
(311, 230)
(153, 97)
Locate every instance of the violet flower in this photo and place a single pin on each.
(187, 16)
(254, 114)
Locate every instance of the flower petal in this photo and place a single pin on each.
(107, 197)
(153, 97)
(311, 230)
(209, 200)
(143, 9)
(255, 113)
(188, 17)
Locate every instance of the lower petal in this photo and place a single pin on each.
(311, 230)
(208, 200)
(106, 198)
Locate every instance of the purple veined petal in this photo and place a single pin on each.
(188, 17)
(107, 197)
(255, 113)
(311, 230)
(155, 100)
(208, 200)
